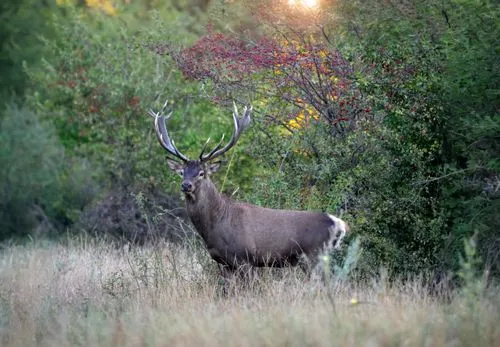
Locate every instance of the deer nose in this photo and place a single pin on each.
(186, 187)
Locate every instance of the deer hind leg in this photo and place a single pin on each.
(307, 263)
(233, 278)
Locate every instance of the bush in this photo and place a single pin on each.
(471, 182)
(42, 190)
(21, 25)
(137, 215)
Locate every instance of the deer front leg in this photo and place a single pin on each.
(247, 275)
(226, 275)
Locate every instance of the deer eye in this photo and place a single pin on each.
(201, 174)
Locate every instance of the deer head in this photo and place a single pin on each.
(194, 172)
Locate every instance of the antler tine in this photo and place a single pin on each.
(240, 124)
(161, 113)
(207, 156)
(162, 132)
(204, 148)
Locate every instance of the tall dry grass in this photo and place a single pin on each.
(95, 294)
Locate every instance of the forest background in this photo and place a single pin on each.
(386, 114)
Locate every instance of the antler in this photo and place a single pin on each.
(162, 132)
(240, 124)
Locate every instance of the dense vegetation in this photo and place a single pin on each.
(386, 113)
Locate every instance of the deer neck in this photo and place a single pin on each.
(205, 207)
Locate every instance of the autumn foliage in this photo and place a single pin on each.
(298, 70)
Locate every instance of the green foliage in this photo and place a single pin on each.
(102, 80)
(473, 280)
(41, 189)
(474, 284)
(21, 25)
(472, 94)
(93, 92)
(435, 77)
(346, 268)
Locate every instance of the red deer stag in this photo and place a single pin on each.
(236, 233)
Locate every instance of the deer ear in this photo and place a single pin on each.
(175, 166)
(213, 167)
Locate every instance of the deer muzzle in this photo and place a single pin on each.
(187, 187)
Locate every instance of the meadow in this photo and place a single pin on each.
(91, 293)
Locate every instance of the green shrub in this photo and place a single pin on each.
(42, 190)
(22, 22)
(102, 79)
(471, 182)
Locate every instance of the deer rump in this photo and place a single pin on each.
(244, 234)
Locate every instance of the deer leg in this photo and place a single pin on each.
(227, 274)
(246, 273)
(307, 264)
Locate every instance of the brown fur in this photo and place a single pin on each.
(238, 234)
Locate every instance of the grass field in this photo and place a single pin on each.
(96, 294)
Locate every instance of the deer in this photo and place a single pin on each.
(238, 234)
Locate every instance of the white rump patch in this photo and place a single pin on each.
(337, 232)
